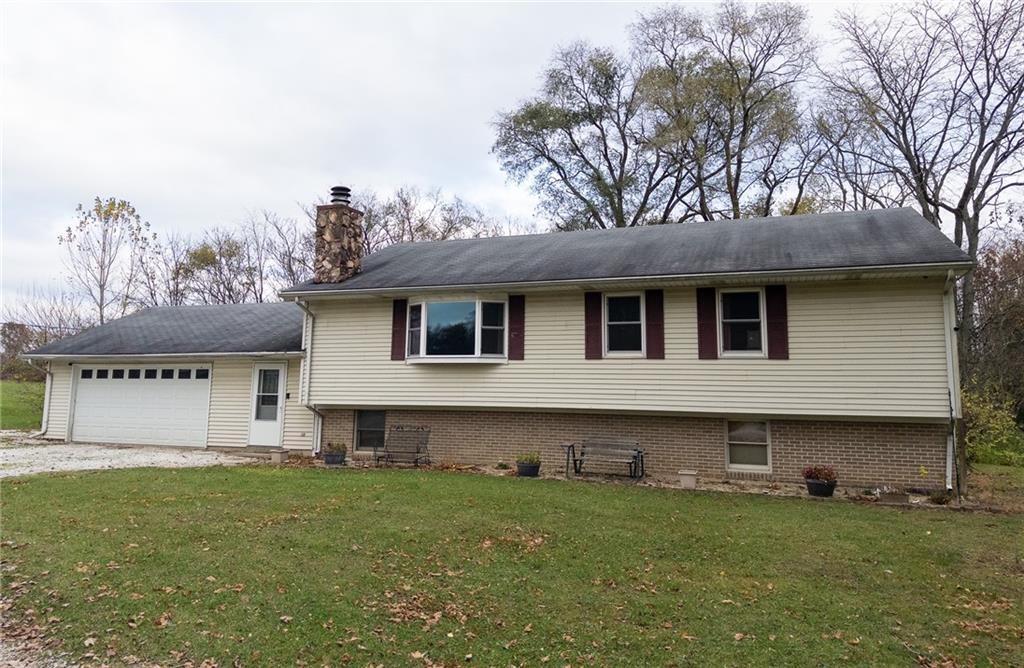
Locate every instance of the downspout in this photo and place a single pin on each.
(45, 422)
(952, 375)
(318, 416)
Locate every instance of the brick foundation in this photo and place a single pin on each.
(863, 453)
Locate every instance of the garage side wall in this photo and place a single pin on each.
(60, 401)
(231, 402)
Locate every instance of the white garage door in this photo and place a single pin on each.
(147, 405)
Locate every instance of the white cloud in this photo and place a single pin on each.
(198, 113)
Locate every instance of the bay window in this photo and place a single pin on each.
(463, 329)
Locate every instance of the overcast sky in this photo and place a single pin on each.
(198, 113)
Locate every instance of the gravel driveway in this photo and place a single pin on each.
(22, 455)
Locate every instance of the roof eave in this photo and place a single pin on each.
(959, 268)
(54, 356)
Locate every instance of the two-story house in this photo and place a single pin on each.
(742, 349)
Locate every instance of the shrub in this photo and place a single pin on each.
(993, 436)
(528, 458)
(822, 473)
(338, 448)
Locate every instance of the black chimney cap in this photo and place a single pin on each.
(341, 195)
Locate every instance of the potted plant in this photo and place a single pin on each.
(528, 465)
(820, 480)
(334, 455)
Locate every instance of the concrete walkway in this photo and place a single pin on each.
(23, 455)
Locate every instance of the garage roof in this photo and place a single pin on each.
(879, 238)
(182, 330)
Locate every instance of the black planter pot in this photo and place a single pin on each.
(334, 458)
(527, 470)
(820, 487)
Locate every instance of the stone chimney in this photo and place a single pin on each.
(339, 239)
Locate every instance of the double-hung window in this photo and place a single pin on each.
(624, 325)
(457, 329)
(741, 323)
(748, 446)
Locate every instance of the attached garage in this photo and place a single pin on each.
(154, 405)
(186, 376)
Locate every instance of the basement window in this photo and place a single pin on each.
(748, 446)
(464, 330)
(370, 429)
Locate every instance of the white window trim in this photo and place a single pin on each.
(720, 315)
(477, 357)
(749, 468)
(604, 326)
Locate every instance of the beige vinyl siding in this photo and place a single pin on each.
(298, 420)
(231, 403)
(857, 349)
(60, 400)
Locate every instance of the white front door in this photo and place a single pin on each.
(267, 411)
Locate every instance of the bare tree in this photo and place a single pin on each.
(410, 214)
(164, 272)
(291, 246)
(216, 270)
(943, 88)
(106, 250)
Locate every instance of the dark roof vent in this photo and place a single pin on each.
(341, 195)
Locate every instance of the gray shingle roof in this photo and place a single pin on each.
(814, 241)
(176, 330)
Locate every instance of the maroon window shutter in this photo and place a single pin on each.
(592, 317)
(654, 309)
(707, 327)
(778, 322)
(399, 311)
(516, 326)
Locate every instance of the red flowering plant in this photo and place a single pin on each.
(822, 473)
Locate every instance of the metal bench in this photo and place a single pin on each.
(605, 451)
(404, 445)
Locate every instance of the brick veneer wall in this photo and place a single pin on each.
(864, 453)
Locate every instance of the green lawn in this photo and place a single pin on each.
(21, 404)
(274, 566)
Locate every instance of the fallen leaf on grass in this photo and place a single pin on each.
(285, 619)
(89, 642)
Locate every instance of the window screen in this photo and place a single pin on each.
(748, 444)
(741, 322)
(625, 324)
(370, 429)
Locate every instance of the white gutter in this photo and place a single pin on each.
(307, 336)
(129, 356)
(44, 424)
(952, 371)
(762, 275)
